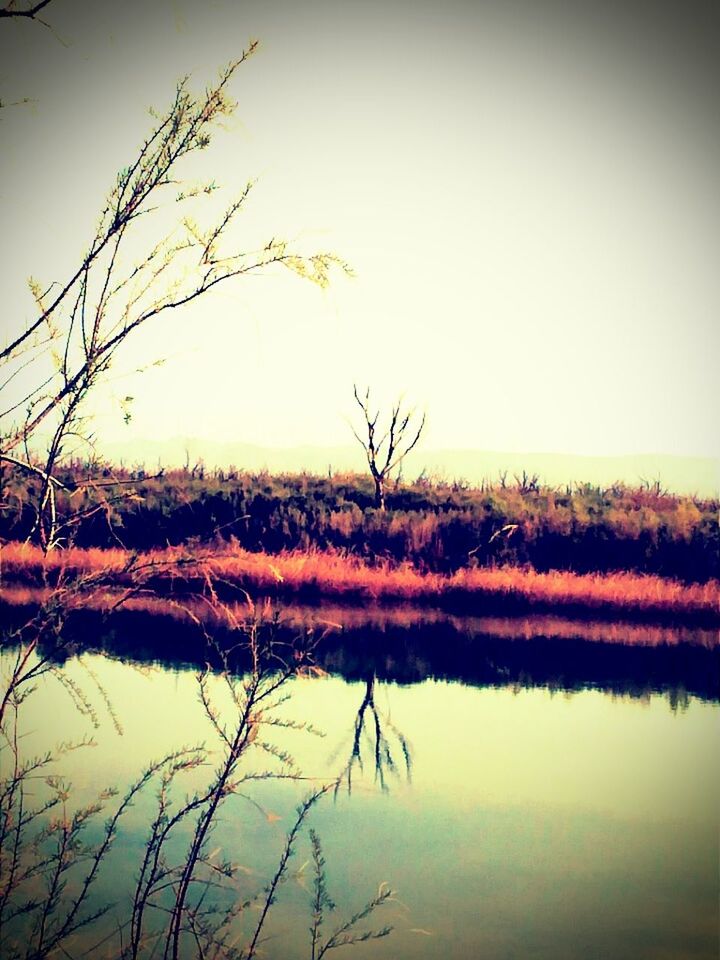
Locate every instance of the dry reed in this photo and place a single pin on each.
(342, 577)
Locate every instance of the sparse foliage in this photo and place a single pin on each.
(136, 268)
(143, 261)
(345, 933)
(186, 901)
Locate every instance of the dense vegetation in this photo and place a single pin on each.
(435, 526)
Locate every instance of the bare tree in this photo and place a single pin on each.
(137, 268)
(389, 451)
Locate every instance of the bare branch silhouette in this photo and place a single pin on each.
(28, 12)
(133, 272)
(370, 726)
(388, 452)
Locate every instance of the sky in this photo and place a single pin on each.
(527, 194)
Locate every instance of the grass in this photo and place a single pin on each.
(340, 577)
(438, 527)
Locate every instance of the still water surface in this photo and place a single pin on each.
(511, 822)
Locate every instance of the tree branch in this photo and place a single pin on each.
(29, 12)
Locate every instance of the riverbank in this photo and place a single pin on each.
(432, 525)
(315, 576)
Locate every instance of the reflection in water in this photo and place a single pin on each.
(535, 824)
(49, 868)
(373, 726)
(561, 655)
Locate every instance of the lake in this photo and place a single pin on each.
(526, 789)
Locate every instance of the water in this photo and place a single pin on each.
(509, 820)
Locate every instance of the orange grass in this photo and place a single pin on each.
(338, 576)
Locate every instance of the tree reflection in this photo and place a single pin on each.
(375, 734)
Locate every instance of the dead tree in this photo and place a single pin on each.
(390, 450)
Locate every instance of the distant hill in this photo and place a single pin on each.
(692, 475)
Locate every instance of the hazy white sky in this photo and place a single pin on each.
(527, 192)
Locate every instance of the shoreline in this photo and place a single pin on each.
(402, 645)
(314, 577)
(18, 603)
